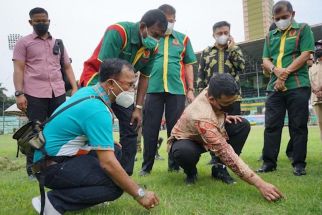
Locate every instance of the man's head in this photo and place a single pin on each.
(170, 13)
(152, 26)
(283, 14)
(39, 20)
(222, 91)
(318, 50)
(221, 32)
(116, 76)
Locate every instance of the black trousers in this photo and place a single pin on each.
(187, 152)
(236, 110)
(155, 105)
(39, 109)
(294, 101)
(80, 183)
(128, 136)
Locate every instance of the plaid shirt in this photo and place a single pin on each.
(214, 60)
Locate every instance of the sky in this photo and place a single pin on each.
(81, 23)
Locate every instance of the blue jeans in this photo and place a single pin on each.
(80, 183)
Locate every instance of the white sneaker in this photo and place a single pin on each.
(49, 208)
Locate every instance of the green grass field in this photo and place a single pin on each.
(303, 194)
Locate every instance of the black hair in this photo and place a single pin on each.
(220, 24)
(222, 84)
(112, 68)
(167, 9)
(37, 10)
(280, 5)
(155, 16)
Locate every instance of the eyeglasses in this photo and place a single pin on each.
(130, 85)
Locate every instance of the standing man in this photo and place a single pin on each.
(286, 51)
(204, 126)
(82, 167)
(316, 83)
(37, 76)
(136, 43)
(170, 82)
(223, 57)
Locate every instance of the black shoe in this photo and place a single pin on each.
(160, 140)
(266, 168)
(220, 172)
(144, 173)
(299, 171)
(190, 180)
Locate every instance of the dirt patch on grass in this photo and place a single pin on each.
(7, 164)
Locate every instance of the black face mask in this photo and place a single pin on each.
(227, 109)
(318, 53)
(41, 29)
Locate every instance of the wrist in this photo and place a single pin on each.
(19, 93)
(140, 194)
(191, 89)
(140, 107)
(257, 181)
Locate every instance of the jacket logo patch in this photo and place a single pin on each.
(146, 54)
(292, 33)
(175, 42)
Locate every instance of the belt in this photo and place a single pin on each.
(42, 165)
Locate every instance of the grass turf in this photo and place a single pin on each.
(303, 194)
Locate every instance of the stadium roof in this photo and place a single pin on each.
(254, 48)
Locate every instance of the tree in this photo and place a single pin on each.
(5, 101)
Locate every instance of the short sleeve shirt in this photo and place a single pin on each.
(42, 72)
(284, 47)
(168, 72)
(121, 40)
(79, 129)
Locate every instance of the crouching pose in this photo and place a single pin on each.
(82, 166)
(204, 126)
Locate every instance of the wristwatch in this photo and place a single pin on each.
(272, 69)
(139, 107)
(18, 93)
(140, 194)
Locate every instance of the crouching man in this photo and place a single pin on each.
(204, 126)
(82, 168)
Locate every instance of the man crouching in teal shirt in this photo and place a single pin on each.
(82, 168)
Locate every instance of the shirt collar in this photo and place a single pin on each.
(135, 33)
(34, 35)
(173, 34)
(215, 47)
(102, 93)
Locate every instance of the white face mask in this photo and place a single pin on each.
(222, 40)
(125, 98)
(283, 24)
(170, 28)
